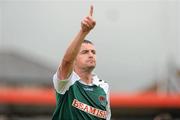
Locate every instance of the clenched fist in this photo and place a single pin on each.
(88, 22)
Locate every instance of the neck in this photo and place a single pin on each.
(86, 76)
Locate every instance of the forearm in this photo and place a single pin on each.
(66, 66)
(74, 47)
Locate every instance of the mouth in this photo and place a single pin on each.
(91, 61)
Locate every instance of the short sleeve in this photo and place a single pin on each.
(61, 86)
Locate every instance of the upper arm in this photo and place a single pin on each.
(65, 70)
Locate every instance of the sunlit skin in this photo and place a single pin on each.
(86, 58)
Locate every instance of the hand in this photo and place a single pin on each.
(88, 22)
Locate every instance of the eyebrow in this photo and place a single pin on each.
(84, 51)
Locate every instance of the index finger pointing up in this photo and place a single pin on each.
(91, 11)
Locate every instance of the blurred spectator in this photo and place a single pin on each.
(163, 116)
(171, 85)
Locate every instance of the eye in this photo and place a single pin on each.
(93, 51)
(84, 51)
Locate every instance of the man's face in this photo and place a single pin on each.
(86, 58)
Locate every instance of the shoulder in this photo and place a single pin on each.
(103, 84)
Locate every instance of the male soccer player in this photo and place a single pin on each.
(80, 94)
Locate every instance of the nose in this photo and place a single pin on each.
(91, 55)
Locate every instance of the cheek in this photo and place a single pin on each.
(79, 59)
(95, 57)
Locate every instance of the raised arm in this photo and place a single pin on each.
(66, 66)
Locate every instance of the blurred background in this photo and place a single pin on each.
(138, 54)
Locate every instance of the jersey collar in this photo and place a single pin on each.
(94, 82)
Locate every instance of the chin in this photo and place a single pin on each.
(92, 66)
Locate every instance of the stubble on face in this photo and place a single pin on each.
(86, 58)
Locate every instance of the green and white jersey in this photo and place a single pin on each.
(75, 100)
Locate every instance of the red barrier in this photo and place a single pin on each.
(29, 96)
(44, 96)
(146, 100)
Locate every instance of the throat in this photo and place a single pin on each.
(87, 81)
(86, 77)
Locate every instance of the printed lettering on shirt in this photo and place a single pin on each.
(89, 109)
(88, 89)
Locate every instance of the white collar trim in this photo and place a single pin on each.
(94, 82)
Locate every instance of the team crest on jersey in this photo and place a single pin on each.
(102, 100)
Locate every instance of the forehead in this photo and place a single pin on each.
(87, 46)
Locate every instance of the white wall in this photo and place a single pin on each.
(133, 38)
